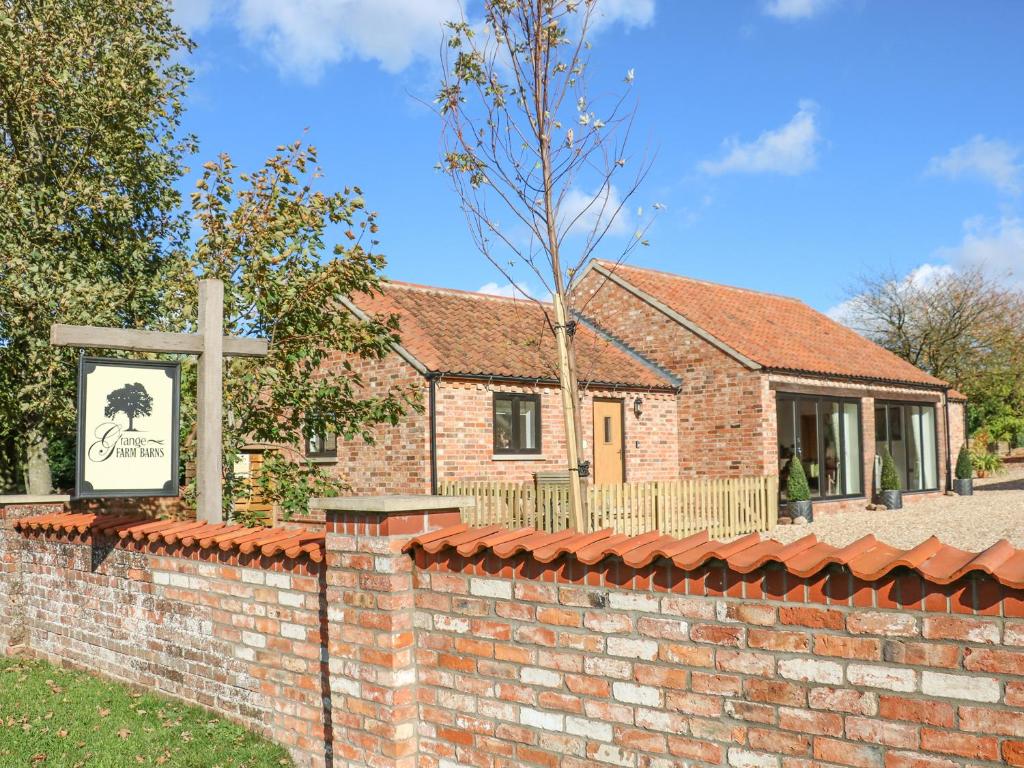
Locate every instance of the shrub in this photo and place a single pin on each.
(890, 477)
(797, 488)
(964, 466)
(986, 463)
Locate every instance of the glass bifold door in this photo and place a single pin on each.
(908, 431)
(826, 434)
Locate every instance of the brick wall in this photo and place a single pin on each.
(465, 438)
(567, 666)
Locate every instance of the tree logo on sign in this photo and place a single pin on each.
(132, 400)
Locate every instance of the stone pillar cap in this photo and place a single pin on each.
(22, 498)
(391, 504)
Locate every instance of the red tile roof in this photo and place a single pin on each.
(777, 332)
(459, 332)
(291, 542)
(867, 558)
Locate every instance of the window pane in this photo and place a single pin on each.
(807, 420)
(853, 462)
(331, 443)
(787, 440)
(898, 443)
(527, 425)
(502, 424)
(881, 433)
(913, 435)
(929, 456)
(831, 458)
(607, 429)
(314, 446)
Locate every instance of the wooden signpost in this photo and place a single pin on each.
(210, 344)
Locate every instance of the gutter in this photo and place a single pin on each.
(949, 442)
(432, 407)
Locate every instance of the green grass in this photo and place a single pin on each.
(53, 717)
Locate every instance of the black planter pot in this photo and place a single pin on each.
(892, 499)
(804, 509)
(964, 487)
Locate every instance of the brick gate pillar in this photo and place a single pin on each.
(371, 637)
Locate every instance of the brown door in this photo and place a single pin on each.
(608, 442)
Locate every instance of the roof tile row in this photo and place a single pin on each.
(867, 558)
(291, 542)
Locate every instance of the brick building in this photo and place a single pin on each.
(682, 377)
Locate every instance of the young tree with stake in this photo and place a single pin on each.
(536, 166)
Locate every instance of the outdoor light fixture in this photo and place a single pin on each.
(638, 407)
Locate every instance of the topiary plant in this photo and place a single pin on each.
(964, 466)
(797, 488)
(890, 480)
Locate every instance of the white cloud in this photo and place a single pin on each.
(991, 160)
(790, 150)
(510, 290)
(304, 37)
(583, 212)
(794, 10)
(996, 246)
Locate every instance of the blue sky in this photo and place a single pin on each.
(799, 143)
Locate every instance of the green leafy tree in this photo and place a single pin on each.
(90, 99)
(964, 467)
(797, 488)
(890, 480)
(267, 235)
(132, 400)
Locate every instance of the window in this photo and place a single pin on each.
(825, 433)
(516, 423)
(322, 446)
(908, 431)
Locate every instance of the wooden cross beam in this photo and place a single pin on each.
(210, 344)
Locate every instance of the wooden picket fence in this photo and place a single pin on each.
(722, 506)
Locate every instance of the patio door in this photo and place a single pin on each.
(609, 442)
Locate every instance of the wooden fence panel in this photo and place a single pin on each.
(725, 507)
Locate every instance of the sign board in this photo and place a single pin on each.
(127, 428)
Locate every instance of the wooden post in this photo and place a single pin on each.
(569, 408)
(209, 402)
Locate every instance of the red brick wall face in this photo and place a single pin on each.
(399, 459)
(722, 426)
(465, 441)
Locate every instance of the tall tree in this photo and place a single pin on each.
(265, 234)
(90, 100)
(966, 327)
(535, 163)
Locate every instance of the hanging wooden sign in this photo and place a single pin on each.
(127, 428)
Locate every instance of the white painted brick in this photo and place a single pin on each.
(608, 753)
(631, 648)
(546, 721)
(293, 631)
(971, 688)
(890, 678)
(179, 580)
(457, 624)
(538, 676)
(244, 652)
(744, 758)
(279, 580)
(605, 667)
(630, 693)
(591, 729)
(252, 576)
(254, 639)
(491, 588)
(159, 577)
(291, 599)
(811, 670)
(632, 601)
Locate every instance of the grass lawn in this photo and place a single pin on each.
(55, 717)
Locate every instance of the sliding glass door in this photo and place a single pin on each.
(825, 433)
(908, 430)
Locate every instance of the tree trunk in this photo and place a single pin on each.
(38, 478)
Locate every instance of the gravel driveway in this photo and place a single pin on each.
(995, 511)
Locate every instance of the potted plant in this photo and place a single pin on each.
(964, 483)
(798, 491)
(986, 463)
(892, 496)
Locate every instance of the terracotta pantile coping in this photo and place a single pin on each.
(292, 542)
(867, 558)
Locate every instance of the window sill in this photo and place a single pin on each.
(322, 459)
(517, 457)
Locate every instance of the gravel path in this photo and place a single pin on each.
(995, 511)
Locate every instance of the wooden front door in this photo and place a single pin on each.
(609, 465)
